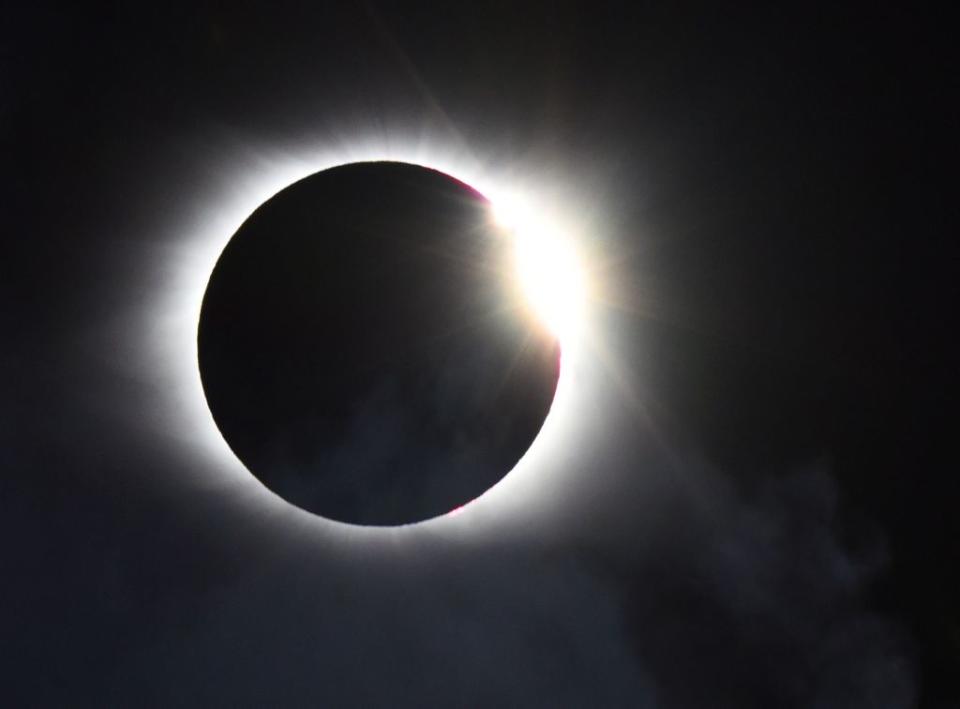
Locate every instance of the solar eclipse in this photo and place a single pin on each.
(387, 301)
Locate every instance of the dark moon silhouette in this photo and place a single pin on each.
(365, 350)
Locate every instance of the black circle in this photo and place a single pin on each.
(365, 351)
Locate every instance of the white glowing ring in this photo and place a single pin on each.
(550, 274)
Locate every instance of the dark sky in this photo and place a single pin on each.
(753, 504)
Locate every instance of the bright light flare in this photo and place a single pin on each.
(548, 268)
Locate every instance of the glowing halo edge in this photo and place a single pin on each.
(170, 340)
